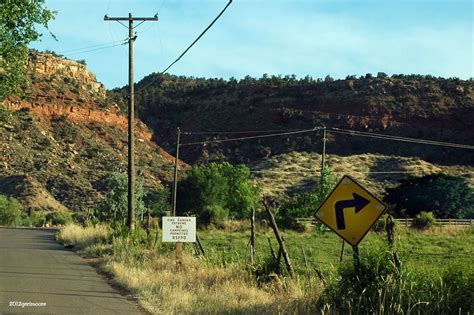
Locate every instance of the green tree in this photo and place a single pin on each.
(18, 22)
(114, 208)
(445, 196)
(242, 194)
(158, 201)
(304, 205)
(10, 211)
(217, 191)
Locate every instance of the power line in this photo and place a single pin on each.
(238, 132)
(162, 4)
(108, 7)
(189, 47)
(397, 138)
(317, 171)
(91, 50)
(79, 50)
(161, 42)
(252, 137)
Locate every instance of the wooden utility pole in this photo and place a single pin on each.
(175, 176)
(179, 246)
(323, 156)
(323, 165)
(131, 113)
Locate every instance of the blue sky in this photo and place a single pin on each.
(302, 37)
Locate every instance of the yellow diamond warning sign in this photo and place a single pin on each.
(350, 210)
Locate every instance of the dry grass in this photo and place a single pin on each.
(295, 171)
(200, 288)
(228, 286)
(442, 230)
(82, 237)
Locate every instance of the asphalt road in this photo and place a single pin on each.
(34, 268)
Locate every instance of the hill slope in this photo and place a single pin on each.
(60, 144)
(411, 106)
(287, 173)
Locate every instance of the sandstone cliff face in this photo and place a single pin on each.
(49, 65)
(62, 87)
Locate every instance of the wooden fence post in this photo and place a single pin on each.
(252, 237)
(279, 239)
(390, 228)
(148, 223)
(198, 240)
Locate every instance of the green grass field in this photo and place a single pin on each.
(422, 250)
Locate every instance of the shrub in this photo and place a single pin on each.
(424, 220)
(158, 201)
(379, 225)
(38, 218)
(4, 114)
(445, 196)
(59, 218)
(114, 208)
(358, 291)
(379, 288)
(10, 211)
(216, 192)
(299, 206)
(82, 237)
(304, 205)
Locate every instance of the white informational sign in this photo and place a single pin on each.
(179, 229)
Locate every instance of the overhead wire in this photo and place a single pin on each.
(162, 4)
(187, 49)
(238, 132)
(317, 171)
(251, 137)
(333, 130)
(91, 47)
(398, 138)
(161, 43)
(99, 48)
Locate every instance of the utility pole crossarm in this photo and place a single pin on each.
(109, 18)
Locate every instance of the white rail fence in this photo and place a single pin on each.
(407, 221)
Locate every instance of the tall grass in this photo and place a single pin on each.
(199, 286)
(224, 283)
(380, 287)
(82, 237)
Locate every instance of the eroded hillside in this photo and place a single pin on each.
(58, 142)
(415, 106)
(285, 174)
